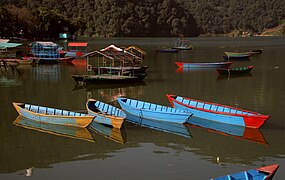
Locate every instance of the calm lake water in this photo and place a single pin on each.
(138, 152)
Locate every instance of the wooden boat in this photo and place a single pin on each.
(115, 70)
(105, 113)
(233, 71)
(239, 132)
(113, 134)
(256, 51)
(52, 115)
(204, 64)
(10, 62)
(237, 55)
(107, 78)
(266, 172)
(167, 50)
(140, 109)
(217, 112)
(54, 129)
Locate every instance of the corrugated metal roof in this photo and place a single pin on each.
(4, 45)
(77, 44)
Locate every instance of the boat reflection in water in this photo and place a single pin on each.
(47, 72)
(114, 134)
(65, 131)
(251, 134)
(110, 92)
(233, 76)
(169, 127)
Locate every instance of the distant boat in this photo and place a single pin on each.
(46, 51)
(107, 78)
(167, 50)
(140, 109)
(217, 112)
(105, 113)
(256, 51)
(52, 115)
(238, 55)
(59, 130)
(203, 64)
(266, 172)
(234, 71)
(182, 44)
(115, 70)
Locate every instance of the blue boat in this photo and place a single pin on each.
(105, 113)
(218, 112)
(262, 173)
(52, 115)
(203, 64)
(168, 50)
(140, 109)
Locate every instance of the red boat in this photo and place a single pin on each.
(233, 71)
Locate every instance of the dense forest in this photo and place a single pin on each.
(132, 18)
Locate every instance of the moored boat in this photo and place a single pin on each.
(203, 64)
(107, 78)
(52, 115)
(140, 109)
(218, 112)
(233, 71)
(167, 50)
(105, 113)
(238, 55)
(265, 172)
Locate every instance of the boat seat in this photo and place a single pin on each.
(207, 106)
(185, 101)
(42, 110)
(58, 112)
(180, 99)
(109, 109)
(163, 109)
(97, 103)
(153, 107)
(227, 110)
(134, 103)
(65, 113)
(140, 104)
(50, 111)
(239, 112)
(233, 111)
(128, 101)
(220, 109)
(27, 106)
(200, 105)
(71, 113)
(213, 107)
(34, 108)
(193, 103)
(146, 105)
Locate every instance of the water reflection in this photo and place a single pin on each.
(244, 133)
(233, 76)
(46, 72)
(110, 92)
(114, 134)
(65, 131)
(174, 128)
(10, 76)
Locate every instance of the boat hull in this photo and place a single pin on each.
(204, 65)
(105, 113)
(139, 109)
(237, 55)
(234, 71)
(53, 116)
(266, 172)
(107, 78)
(217, 112)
